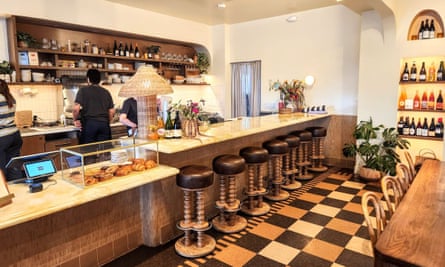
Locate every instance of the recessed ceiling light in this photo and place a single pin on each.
(339, 1)
(292, 18)
(221, 5)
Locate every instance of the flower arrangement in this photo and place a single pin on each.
(190, 110)
(290, 92)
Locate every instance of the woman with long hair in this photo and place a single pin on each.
(10, 139)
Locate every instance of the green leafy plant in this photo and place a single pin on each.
(26, 38)
(203, 63)
(376, 153)
(154, 49)
(5, 67)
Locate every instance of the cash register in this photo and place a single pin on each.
(31, 169)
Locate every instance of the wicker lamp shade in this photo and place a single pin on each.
(144, 86)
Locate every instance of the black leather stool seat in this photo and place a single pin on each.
(303, 135)
(317, 131)
(228, 164)
(291, 140)
(194, 177)
(254, 154)
(276, 146)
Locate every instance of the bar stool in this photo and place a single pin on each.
(193, 180)
(228, 167)
(303, 155)
(289, 164)
(255, 157)
(317, 153)
(277, 150)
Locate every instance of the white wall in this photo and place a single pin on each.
(323, 42)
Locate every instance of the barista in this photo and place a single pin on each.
(129, 115)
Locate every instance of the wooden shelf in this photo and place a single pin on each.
(420, 83)
(421, 110)
(423, 137)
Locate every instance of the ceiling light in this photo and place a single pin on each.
(338, 1)
(292, 18)
(221, 5)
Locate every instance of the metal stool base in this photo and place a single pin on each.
(305, 177)
(193, 251)
(318, 169)
(283, 195)
(239, 223)
(257, 211)
(291, 186)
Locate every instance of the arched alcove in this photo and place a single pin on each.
(422, 16)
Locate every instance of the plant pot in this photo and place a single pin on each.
(370, 175)
(22, 44)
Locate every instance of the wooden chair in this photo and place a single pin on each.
(380, 216)
(410, 161)
(392, 192)
(404, 176)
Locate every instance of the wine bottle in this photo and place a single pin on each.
(440, 72)
(426, 30)
(439, 128)
(425, 127)
(400, 125)
(432, 128)
(126, 51)
(432, 30)
(432, 73)
(405, 73)
(416, 101)
(439, 101)
(115, 49)
(424, 102)
(177, 128)
(132, 52)
(421, 28)
(168, 127)
(406, 126)
(422, 73)
(402, 99)
(413, 73)
(121, 49)
(419, 128)
(412, 127)
(136, 52)
(431, 101)
(160, 127)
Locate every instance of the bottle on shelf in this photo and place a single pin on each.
(440, 72)
(439, 101)
(132, 52)
(426, 30)
(405, 73)
(439, 128)
(402, 99)
(136, 52)
(432, 73)
(413, 72)
(126, 50)
(168, 126)
(400, 125)
(121, 49)
(412, 127)
(421, 28)
(406, 126)
(177, 128)
(431, 101)
(160, 127)
(424, 101)
(432, 129)
(432, 30)
(422, 73)
(419, 128)
(416, 101)
(425, 127)
(115, 49)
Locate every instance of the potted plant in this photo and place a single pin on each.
(203, 62)
(25, 40)
(153, 51)
(291, 95)
(375, 149)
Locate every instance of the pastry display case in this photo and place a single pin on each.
(89, 164)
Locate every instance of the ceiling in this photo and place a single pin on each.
(236, 11)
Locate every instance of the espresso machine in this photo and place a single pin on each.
(70, 87)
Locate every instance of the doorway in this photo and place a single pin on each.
(246, 88)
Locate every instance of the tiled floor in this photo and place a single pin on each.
(321, 224)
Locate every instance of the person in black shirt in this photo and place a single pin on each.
(93, 110)
(129, 115)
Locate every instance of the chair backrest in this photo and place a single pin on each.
(392, 192)
(374, 229)
(404, 176)
(410, 161)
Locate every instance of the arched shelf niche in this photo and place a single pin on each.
(422, 16)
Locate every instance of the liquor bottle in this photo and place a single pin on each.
(424, 102)
(168, 127)
(426, 30)
(431, 101)
(422, 73)
(439, 128)
(405, 73)
(432, 128)
(406, 126)
(439, 101)
(136, 52)
(432, 73)
(402, 99)
(419, 128)
(440, 72)
(126, 51)
(425, 127)
(432, 30)
(421, 28)
(413, 72)
(115, 49)
(121, 49)
(177, 128)
(416, 101)
(132, 52)
(400, 125)
(412, 127)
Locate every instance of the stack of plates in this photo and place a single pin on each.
(119, 156)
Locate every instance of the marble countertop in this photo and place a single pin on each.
(63, 195)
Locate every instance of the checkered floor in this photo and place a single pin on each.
(321, 224)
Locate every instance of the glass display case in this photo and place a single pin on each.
(88, 164)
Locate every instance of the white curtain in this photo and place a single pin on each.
(246, 88)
